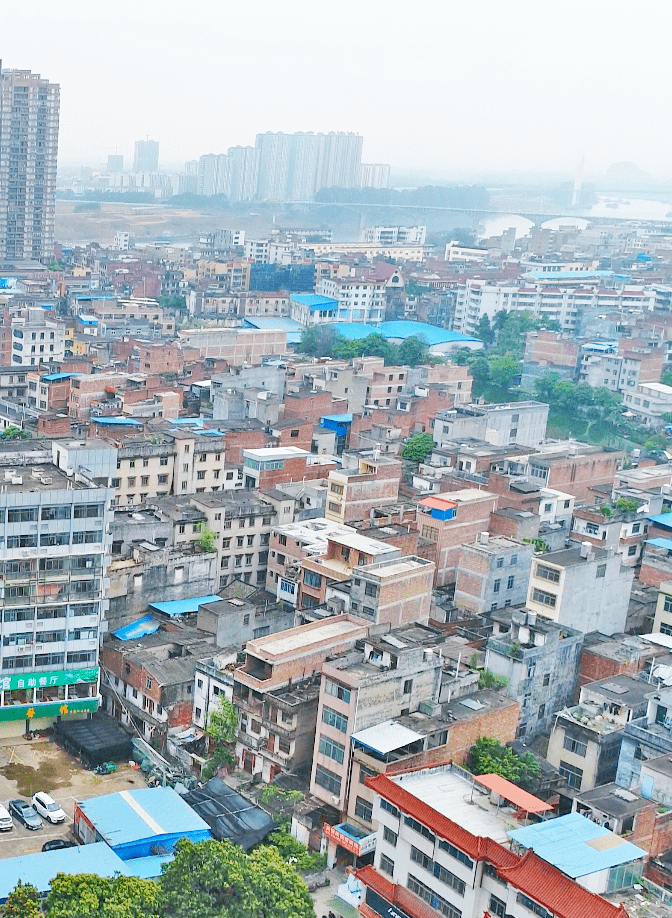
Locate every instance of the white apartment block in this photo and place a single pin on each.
(395, 235)
(37, 339)
(358, 300)
(559, 304)
(649, 403)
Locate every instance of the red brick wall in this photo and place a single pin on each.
(237, 441)
(514, 527)
(180, 714)
(579, 474)
(49, 426)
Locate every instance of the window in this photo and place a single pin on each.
(389, 808)
(88, 511)
(514, 560)
(22, 516)
(386, 865)
(497, 907)
(489, 870)
(364, 809)
(371, 589)
(533, 906)
(408, 686)
(547, 573)
(496, 585)
(546, 599)
(332, 749)
(636, 528)
(547, 678)
(200, 475)
(601, 571)
(334, 719)
(144, 480)
(573, 745)
(338, 691)
(571, 774)
(57, 513)
(311, 578)
(419, 828)
(131, 482)
(389, 836)
(429, 896)
(457, 854)
(500, 563)
(509, 583)
(327, 779)
(632, 551)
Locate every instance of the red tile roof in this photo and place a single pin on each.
(530, 874)
(551, 888)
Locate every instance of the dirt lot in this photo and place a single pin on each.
(28, 767)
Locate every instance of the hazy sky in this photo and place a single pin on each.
(431, 84)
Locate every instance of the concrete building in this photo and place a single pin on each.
(521, 423)
(55, 548)
(146, 158)
(621, 531)
(540, 660)
(649, 403)
(586, 588)
(585, 741)
(662, 623)
(243, 613)
(396, 591)
(395, 235)
(37, 339)
(358, 300)
(646, 738)
(276, 691)
(492, 573)
(450, 520)
(365, 481)
(29, 113)
(435, 852)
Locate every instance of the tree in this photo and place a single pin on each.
(14, 433)
(666, 378)
(88, 896)
(489, 756)
(412, 351)
(317, 341)
(418, 446)
(503, 371)
(22, 902)
(215, 879)
(222, 729)
(512, 334)
(207, 539)
(484, 330)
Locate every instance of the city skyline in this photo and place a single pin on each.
(489, 91)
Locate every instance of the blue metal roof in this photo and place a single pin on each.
(315, 301)
(126, 422)
(660, 543)
(148, 868)
(40, 869)
(565, 843)
(354, 331)
(432, 333)
(293, 329)
(339, 418)
(663, 519)
(190, 422)
(131, 821)
(138, 629)
(182, 606)
(53, 377)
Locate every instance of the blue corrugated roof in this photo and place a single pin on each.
(157, 814)
(432, 333)
(148, 868)
(565, 843)
(138, 629)
(40, 869)
(663, 519)
(354, 331)
(52, 377)
(190, 422)
(315, 301)
(339, 418)
(660, 543)
(127, 422)
(182, 606)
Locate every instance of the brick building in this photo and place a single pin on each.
(274, 466)
(492, 573)
(366, 481)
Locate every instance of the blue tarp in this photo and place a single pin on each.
(182, 606)
(143, 626)
(41, 868)
(148, 868)
(54, 377)
(126, 422)
(565, 843)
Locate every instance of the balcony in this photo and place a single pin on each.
(252, 741)
(247, 704)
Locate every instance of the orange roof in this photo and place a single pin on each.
(551, 888)
(437, 503)
(511, 792)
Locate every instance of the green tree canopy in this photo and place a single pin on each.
(223, 721)
(418, 446)
(412, 352)
(318, 341)
(489, 756)
(504, 371)
(14, 433)
(22, 902)
(88, 896)
(484, 330)
(214, 879)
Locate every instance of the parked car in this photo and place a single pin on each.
(47, 807)
(56, 844)
(25, 813)
(6, 824)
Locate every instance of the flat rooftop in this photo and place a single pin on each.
(569, 557)
(40, 478)
(308, 636)
(395, 568)
(456, 798)
(267, 454)
(352, 539)
(616, 801)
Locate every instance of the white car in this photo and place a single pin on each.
(6, 823)
(47, 807)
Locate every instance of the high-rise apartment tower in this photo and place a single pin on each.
(146, 156)
(29, 110)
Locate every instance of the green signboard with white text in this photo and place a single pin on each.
(52, 709)
(47, 680)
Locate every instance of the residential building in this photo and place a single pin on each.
(604, 656)
(450, 520)
(629, 815)
(37, 339)
(375, 175)
(358, 300)
(393, 591)
(646, 738)
(492, 573)
(276, 692)
(584, 587)
(243, 613)
(522, 423)
(272, 466)
(650, 403)
(662, 623)
(146, 157)
(312, 309)
(55, 545)
(235, 345)
(435, 852)
(586, 739)
(365, 481)
(540, 661)
(29, 113)
(622, 531)
(395, 235)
